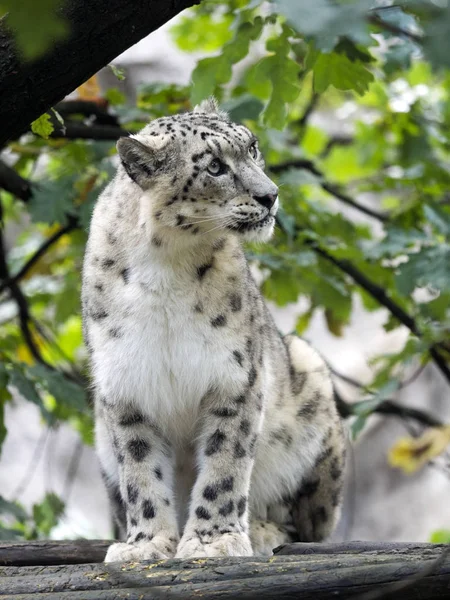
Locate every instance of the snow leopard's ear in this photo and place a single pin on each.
(211, 106)
(143, 161)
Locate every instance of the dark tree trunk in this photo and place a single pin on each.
(99, 31)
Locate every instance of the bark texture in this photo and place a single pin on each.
(306, 571)
(99, 31)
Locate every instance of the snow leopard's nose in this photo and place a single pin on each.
(268, 200)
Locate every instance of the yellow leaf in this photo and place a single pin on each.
(411, 454)
(90, 89)
(24, 355)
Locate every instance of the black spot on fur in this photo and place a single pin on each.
(227, 484)
(235, 302)
(215, 442)
(198, 307)
(240, 399)
(131, 418)
(245, 427)
(238, 357)
(125, 273)
(239, 450)
(241, 506)
(227, 508)
(157, 471)
(107, 263)
(133, 493)
(114, 332)
(309, 488)
(156, 241)
(133, 522)
(97, 315)
(139, 449)
(148, 509)
(203, 269)
(140, 536)
(224, 412)
(219, 321)
(210, 492)
(252, 374)
(202, 513)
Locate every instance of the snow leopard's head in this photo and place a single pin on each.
(202, 174)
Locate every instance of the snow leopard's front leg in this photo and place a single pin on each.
(145, 465)
(218, 520)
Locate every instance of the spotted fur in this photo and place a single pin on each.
(209, 424)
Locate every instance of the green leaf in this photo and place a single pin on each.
(283, 73)
(52, 200)
(212, 72)
(36, 25)
(428, 267)
(12, 508)
(64, 390)
(440, 536)
(43, 126)
(47, 513)
(25, 386)
(342, 73)
(118, 72)
(244, 107)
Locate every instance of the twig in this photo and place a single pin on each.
(375, 19)
(328, 187)
(72, 470)
(33, 464)
(39, 253)
(389, 408)
(21, 301)
(380, 295)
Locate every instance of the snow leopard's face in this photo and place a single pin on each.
(204, 174)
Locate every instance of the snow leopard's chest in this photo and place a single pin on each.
(180, 333)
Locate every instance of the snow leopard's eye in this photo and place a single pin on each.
(216, 167)
(253, 150)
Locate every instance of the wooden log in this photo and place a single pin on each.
(329, 571)
(53, 553)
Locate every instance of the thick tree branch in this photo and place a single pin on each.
(100, 30)
(13, 183)
(326, 186)
(81, 131)
(86, 108)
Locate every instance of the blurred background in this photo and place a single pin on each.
(354, 122)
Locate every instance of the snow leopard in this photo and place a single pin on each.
(216, 435)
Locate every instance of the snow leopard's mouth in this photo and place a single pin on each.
(252, 225)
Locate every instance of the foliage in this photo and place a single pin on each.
(17, 523)
(410, 454)
(365, 209)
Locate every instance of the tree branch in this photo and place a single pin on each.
(389, 408)
(376, 20)
(21, 301)
(326, 186)
(71, 225)
(13, 183)
(100, 30)
(380, 295)
(74, 131)
(86, 108)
